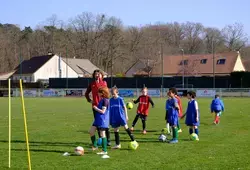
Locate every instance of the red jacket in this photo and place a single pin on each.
(143, 106)
(180, 105)
(93, 87)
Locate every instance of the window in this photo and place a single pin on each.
(203, 61)
(221, 61)
(185, 62)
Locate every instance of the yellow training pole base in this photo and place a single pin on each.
(25, 124)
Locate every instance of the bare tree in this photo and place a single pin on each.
(213, 40)
(193, 37)
(235, 37)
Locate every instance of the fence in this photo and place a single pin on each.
(160, 92)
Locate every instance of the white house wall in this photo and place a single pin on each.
(239, 65)
(51, 70)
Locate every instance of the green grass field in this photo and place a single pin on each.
(58, 125)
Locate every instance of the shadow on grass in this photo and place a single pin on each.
(121, 131)
(38, 150)
(42, 143)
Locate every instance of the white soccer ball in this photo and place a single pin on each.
(162, 138)
(79, 151)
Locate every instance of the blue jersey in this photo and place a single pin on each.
(102, 119)
(117, 112)
(167, 104)
(217, 105)
(191, 113)
(172, 116)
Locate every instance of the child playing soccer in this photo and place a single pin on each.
(167, 107)
(180, 107)
(192, 114)
(217, 107)
(118, 116)
(101, 121)
(173, 115)
(142, 109)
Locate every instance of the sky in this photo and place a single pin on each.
(213, 13)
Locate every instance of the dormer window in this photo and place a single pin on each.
(221, 61)
(184, 62)
(203, 61)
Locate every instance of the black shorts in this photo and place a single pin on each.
(143, 117)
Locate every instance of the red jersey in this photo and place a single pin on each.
(93, 87)
(180, 105)
(143, 106)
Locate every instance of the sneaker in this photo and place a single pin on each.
(132, 128)
(117, 147)
(144, 132)
(109, 144)
(173, 141)
(197, 139)
(179, 131)
(102, 153)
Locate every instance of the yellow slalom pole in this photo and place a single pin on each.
(9, 90)
(25, 124)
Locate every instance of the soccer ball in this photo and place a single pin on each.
(162, 138)
(99, 142)
(193, 136)
(130, 105)
(133, 145)
(79, 151)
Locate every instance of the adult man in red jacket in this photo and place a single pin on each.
(93, 87)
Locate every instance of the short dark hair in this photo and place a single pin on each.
(216, 96)
(173, 90)
(97, 71)
(192, 94)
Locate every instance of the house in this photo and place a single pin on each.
(196, 65)
(142, 67)
(41, 68)
(6, 76)
(83, 67)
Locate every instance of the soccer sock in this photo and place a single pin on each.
(117, 138)
(107, 134)
(218, 119)
(215, 118)
(168, 127)
(175, 133)
(135, 120)
(130, 134)
(178, 126)
(196, 131)
(99, 133)
(143, 124)
(94, 142)
(104, 144)
(191, 131)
